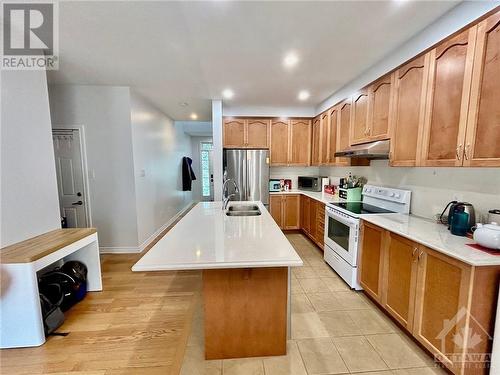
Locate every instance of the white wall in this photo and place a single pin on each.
(104, 111)
(158, 148)
(455, 19)
(432, 188)
(195, 152)
(29, 202)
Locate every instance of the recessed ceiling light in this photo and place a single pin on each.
(183, 104)
(304, 95)
(228, 94)
(193, 116)
(290, 60)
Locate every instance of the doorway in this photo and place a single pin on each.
(71, 177)
(207, 172)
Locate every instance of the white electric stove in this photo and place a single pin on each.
(342, 226)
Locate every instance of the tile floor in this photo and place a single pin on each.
(334, 331)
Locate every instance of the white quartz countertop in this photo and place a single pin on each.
(206, 238)
(318, 195)
(433, 235)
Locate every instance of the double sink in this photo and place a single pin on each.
(243, 210)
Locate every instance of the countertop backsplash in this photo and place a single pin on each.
(432, 188)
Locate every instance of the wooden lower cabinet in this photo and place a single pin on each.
(442, 297)
(399, 278)
(276, 209)
(305, 214)
(285, 210)
(370, 265)
(297, 211)
(291, 211)
(447, 305)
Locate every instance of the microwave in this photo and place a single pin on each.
(310, 183)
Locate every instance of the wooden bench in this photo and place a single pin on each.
(21, 322)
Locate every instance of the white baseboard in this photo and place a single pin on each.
(140, 248)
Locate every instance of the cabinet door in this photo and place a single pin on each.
(324, 138)
(300, 139)
(371, 259)
(291, 211)
(448, 89)
(359, 127)
(400, 277)
(343, 129)
(234, 132)
(408, 112)
(483, 128)
(379, 108)
(279, 142)
(441, 302)
(305, 214)
(257, 133)
(316, 145)
(332, 134)
(313, 210)
(276, 208)
(320, 224)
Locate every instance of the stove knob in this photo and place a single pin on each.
(398, 195)
(392, 194)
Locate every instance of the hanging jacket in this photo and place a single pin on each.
(187, 174)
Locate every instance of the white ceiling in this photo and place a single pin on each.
(173, 52)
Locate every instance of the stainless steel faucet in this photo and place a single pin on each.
(224, 192)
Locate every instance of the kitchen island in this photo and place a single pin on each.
(246, 264)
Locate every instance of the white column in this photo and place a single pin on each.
(217, 152)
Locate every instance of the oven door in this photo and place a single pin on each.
(341, 235)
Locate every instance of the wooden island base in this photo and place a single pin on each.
(245, 312)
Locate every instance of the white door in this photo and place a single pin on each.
(70, 179)
(207, 172)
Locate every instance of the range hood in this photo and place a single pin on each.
(372, 150)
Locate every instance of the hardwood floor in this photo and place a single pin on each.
(138, 324)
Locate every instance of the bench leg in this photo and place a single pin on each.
(20, 313)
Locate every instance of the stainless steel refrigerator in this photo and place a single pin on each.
(250, 170)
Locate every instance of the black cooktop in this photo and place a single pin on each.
(361, 208)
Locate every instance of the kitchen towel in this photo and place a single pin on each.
(187, 174)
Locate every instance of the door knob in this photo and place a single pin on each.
(79, 203)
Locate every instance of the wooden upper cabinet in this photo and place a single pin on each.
(246, 133)
(400, 277)
(257, 133)
(408, 111)
(279, 142)
(442, 294)
(291, 211)
(332, 134)
(234, 132)
(316, 141)
(483, 124)
(300, 139)
(343, 129)
(379, 109)
(371, 260)
(359, 121)
(448, 89)
(324, 118)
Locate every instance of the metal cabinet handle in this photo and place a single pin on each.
(420, 255)
(467, 148)
(459, 152)
(413, 254)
